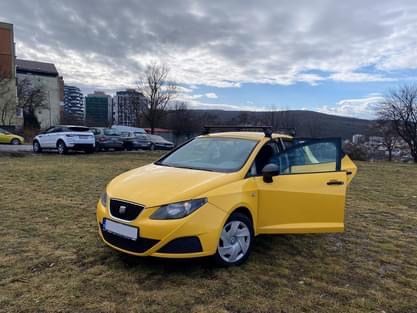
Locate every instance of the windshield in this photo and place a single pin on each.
(211, 154)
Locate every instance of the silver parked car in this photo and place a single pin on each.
(135, 140)
(159, 143)
(108, 138)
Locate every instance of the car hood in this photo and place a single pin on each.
(154, 185)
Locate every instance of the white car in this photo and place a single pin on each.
(64, 138)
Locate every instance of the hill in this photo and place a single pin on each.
(306, 123)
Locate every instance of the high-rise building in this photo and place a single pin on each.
(127, 106)
(98, 109)
(73, 105)
(9, 115)
(358, 139)
(43, 75)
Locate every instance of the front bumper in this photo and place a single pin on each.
(196, 235)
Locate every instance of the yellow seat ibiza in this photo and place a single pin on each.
(212, 195)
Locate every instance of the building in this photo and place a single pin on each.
(74, 109)
(358, 139)
(127, 106)
(9, 115)
(98, 110)
(44, 75)
(375, 140)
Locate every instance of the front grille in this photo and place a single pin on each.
(125, 210)
(139, 245)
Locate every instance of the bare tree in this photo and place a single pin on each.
(389, 135)
(182, 122)
(7, 99)
(400, 109)
(159, 91)
(30, 99)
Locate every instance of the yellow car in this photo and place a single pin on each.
(212, 195)
(9, 138)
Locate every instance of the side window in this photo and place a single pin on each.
(310, 157)
(51, 130)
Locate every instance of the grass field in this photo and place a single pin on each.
(51, 259)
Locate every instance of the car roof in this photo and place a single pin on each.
(246, 135)
(81, 126)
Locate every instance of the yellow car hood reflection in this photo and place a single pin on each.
(154, 185)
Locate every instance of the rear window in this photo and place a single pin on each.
(141, 136)
(111, 132)
(78, 129)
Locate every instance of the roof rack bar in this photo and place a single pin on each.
(266, 129)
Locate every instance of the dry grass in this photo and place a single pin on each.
(51, 259)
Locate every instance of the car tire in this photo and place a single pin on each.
(235, 242)
(15, 142)
(89, 150)
(61, 147)
(36, 147)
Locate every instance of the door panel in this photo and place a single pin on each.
(309, 194)
(301, 203)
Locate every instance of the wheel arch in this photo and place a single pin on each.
(58, 140)
(245, 211)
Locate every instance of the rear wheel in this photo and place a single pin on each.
(37, 147)
(15, 141)
(235, 241)
(62, 148)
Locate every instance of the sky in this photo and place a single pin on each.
(337, 57)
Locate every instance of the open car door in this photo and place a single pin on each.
(309, 193)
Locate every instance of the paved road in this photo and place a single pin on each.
(15, 148)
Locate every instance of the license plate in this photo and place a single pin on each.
(83, 136)
(120, 229)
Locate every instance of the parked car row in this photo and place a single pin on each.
(66, 137)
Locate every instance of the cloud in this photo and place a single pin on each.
(211, 95)
(107, 44)
(361, 108)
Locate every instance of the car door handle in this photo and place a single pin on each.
(335, 182)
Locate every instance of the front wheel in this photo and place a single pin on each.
(37, 147)
(235, 241)
(15, 142)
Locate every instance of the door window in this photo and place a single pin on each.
(311, 156)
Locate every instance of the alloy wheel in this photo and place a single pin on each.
(36, 147)
(61, 148)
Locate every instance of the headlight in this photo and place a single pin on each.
(103, 199)
(178, 210)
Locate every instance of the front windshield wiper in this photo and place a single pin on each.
(186, 167)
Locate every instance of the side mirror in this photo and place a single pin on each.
(270, 170)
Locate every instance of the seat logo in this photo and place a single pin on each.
(122, 209)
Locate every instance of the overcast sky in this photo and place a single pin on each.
(330, 56)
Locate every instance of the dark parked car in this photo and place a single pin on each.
(159, 143)
(107, 138)
(136, 140)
